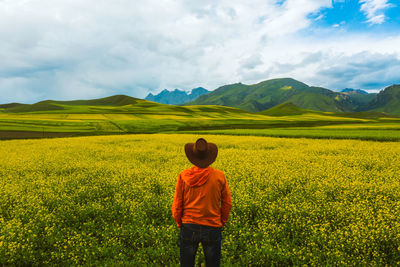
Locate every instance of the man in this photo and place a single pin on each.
(201, 205)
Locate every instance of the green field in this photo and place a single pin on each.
(304, 125)
(106, 200)
(124, 115)
(367, 131)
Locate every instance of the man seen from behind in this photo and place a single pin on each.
(201, 205)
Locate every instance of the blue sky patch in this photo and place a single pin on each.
(348, 15)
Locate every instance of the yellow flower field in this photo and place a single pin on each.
(107, 200)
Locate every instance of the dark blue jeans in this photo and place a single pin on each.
(190, 237)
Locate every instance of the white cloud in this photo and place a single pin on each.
(373, 9)
(338, 24)
(333, 62)
(321, 16)
(362, 70)
(20, 90)
(95, 48)
(252, 61)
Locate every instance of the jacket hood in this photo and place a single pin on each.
(196, 176)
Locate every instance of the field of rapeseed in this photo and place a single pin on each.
(107, 199)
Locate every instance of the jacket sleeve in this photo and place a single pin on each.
(177, 204)
(226, 202)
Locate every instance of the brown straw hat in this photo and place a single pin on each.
(201, 153)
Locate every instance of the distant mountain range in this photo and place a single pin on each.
(177, 96)
(267, 94)
(271, 97)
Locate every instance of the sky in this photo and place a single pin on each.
(73, 49)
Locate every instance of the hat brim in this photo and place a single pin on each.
(212, 152)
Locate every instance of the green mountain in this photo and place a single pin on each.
(287, 109)
(359, 97)
(387, 101)
(290, 109)
(115, 100)
(117, 104)
(270, 93)
(10, 105)
(360, 100)
(52, 105)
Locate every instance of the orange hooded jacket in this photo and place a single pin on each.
(202, 196)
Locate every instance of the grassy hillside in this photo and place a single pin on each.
(73, 106)
(387, 101)
(118, 104)
(10, 105)
(270, 93)
(361, 100)
(287, 109)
